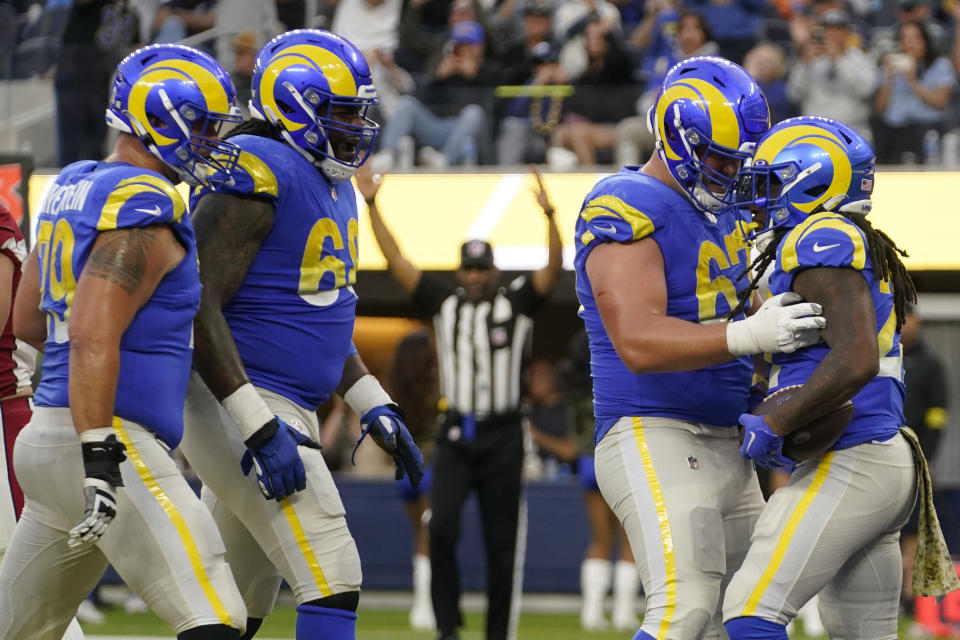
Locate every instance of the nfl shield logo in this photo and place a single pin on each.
(498, 337)
(693, 462)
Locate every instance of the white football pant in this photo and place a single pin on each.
(834, 529)
(303, 538)
(688, 502)
(163, 542)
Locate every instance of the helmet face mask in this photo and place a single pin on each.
(175, 100)
(706, 117)
(803, 166)
(315, 87)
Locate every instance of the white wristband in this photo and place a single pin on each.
(96, 435)
(365, 394)
(740, 340)
(248, 410)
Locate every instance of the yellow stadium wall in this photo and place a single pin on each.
(430, 214)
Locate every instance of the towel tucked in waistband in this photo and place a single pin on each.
(933, 572)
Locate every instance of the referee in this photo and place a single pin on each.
(482, 333)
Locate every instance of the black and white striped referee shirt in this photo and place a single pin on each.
(481, 346)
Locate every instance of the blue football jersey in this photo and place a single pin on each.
(292, 317)
(831, 240)
(88, 198)
(703, 260)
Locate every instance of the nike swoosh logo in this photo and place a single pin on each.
(153, 212)
(817, 247)
(609, 228)
(753, 437)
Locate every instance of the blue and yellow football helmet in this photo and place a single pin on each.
(805, 165)
(299, 80)
(707, 108)
(175, 99)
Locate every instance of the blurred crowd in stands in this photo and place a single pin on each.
(566, 82)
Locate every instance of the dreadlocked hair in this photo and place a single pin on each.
(759, 267)
(885, 256)
(255, 127)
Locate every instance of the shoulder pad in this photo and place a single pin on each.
(256, 173)
(139, 200)
(824, 240)
(621, 208)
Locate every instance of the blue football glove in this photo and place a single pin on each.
(385, 424)
(272, 452)
(762, 445)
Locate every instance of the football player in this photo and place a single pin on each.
(834, 528)
(658, 252)
(278, 259)
(109, 294)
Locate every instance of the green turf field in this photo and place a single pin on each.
(372, 625)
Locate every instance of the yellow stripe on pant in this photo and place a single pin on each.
(305, 549)
(670, 567)
(823, 469)
(171, 510)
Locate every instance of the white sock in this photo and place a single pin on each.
(421, 612)
(595, 575)
(421, 581)
(625, 585)
(73, 632)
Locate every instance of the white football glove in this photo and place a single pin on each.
(782, 324)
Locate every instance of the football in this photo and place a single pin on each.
(814, 438)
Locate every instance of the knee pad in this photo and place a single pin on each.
(210, 632)
(753, 628)
(321, 622)
(348, 601)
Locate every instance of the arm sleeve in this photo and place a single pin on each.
(858, 73)
(11, 242)
(430, 294)
(940, 74)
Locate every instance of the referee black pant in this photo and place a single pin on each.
(491, 464)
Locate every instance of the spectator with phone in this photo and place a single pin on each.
(913, 98)
(834, 77)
